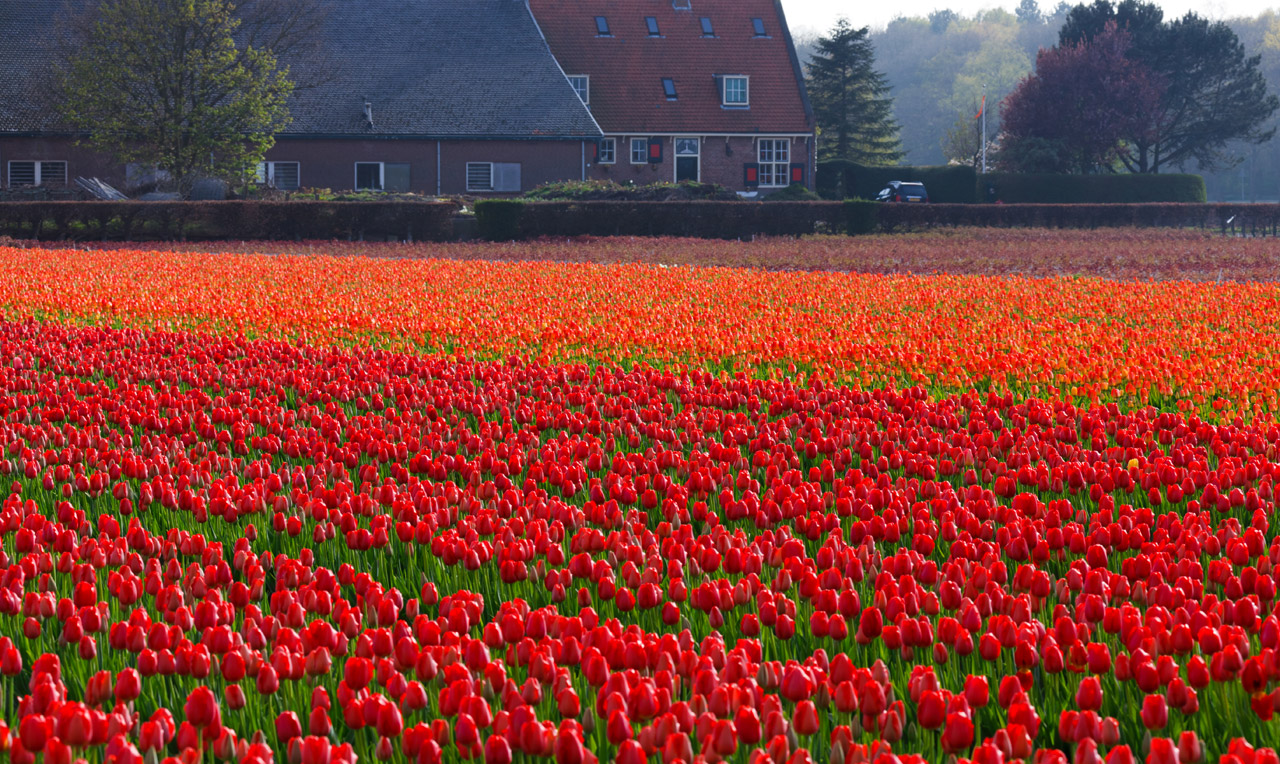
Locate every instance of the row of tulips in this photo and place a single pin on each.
(1204, 348)
(229, 550)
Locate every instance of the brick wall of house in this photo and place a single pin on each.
(721, 160)
(331, 163)
(80, 161)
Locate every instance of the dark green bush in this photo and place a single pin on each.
(1016, 188)
(861, 216)
(499, 219)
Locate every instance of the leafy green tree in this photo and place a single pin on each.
(1029, 12)
(165, 83)
(851, 99)
(941, 19)
(1214, 93)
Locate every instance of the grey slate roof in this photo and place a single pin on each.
(430, 68)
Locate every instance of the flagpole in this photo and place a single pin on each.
(984, 128)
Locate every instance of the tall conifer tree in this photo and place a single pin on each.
(851, 100)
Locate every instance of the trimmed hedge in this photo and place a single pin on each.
(505, 219)
(1013, 188)
(135, 221)
(1253, 217)
(950, 184)
(698, 219)
(954, 184)
(743, 220)
(861, 217)
(499, 219)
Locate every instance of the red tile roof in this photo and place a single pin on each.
(627, 68)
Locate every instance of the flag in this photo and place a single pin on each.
(981, 108)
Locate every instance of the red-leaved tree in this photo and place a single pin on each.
(1076, 111)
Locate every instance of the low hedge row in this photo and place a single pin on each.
(134, 221)
(894, 217)
(955, 184)
(506, 219)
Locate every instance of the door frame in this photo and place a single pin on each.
(675, 170)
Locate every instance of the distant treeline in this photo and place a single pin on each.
(937, 66)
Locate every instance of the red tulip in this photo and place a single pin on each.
(957, 735)
(805, 719)
(128, 685)
(1089, 694)
(201, 708)
(1190, 751)
(357, 672)
(1087, 753)
(315, 750)
(287, 727)
(932, 710)
(976, 691)
(497, 750)
(630, 752)
(1155, 712)
(234, 695)
(1162, 751)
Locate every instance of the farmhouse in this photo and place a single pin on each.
(707, 90)
(438, 97)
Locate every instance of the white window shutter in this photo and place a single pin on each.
(506, 177)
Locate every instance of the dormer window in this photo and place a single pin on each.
(707, 29)
(734, 91)
(602, 27)
(669, 88)
(651, 23)
(581, 85)
(757, 25)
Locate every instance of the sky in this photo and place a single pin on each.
(810, 16)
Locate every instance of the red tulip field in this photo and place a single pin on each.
(321, 509)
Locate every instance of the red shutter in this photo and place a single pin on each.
(655, 151)
(595, 152)
(751, 175)
(797, 173)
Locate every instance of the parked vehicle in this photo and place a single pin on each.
(903, 191)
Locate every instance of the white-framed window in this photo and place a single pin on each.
(775, 161)
(581, 85)
(382, 176)
(608, 151)
(26, 172)
(639, 151)
(493, 176)
(734, 90)
(281, 175)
